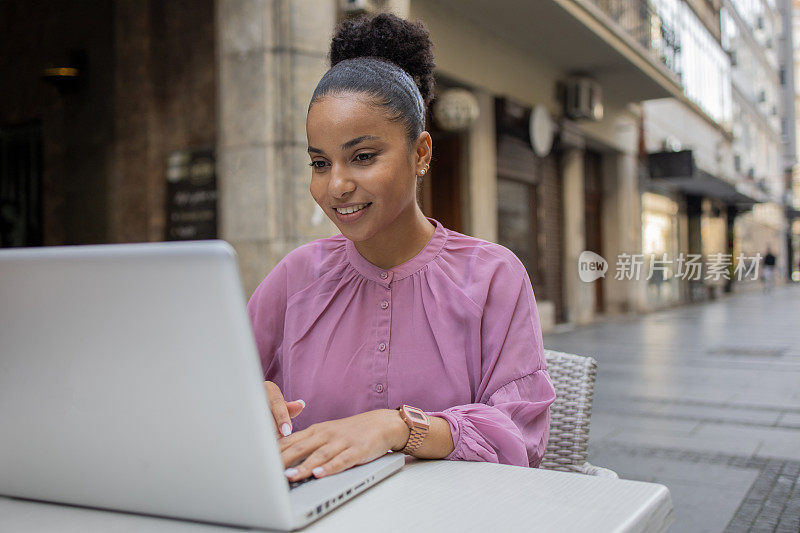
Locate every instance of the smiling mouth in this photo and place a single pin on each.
(352, 209)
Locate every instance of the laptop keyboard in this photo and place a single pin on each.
(295, 484)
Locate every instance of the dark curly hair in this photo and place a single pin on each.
(389, 59)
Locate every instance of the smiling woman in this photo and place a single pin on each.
(398, 333)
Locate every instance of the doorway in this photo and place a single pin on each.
(21, 185)
(593, 216)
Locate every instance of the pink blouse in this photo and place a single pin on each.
(454, 331)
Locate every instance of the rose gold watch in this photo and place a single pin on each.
(418, 422)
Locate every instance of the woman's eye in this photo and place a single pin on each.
(314, 164)
(367, 156)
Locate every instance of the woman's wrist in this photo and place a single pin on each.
(397, 432)
(438, 443)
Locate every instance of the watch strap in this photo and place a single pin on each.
(416, 436)
(415, 439)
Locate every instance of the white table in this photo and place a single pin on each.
(423, 496)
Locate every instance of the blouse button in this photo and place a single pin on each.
(382, 346)
(384, 275)
(384, 304)
(379, 387)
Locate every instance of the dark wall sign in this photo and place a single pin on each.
(671, 164)
(191, 195)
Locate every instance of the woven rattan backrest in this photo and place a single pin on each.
(573, 378)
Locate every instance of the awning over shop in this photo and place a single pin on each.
(677, 170)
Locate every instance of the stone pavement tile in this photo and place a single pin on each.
(773, 500)
(699, 411)
(660, 388)
(742, 446)
(599, 433)
(773, 442)
(785, 445)
(733, 414)
(764, 525)
(704, 496)
(791, 469)
(792, 509)
(791, 419)
(785, 397)
(642, 423)
(702, 511)
(790, 521)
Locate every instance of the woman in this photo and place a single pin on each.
(396, 310)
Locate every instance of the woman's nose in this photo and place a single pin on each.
(340, 184)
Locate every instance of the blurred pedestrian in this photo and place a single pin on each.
(768, 275)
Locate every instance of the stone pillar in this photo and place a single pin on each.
(401, 8)
(613, 215)
(271, 56)
(580, 294)
(135, 175)
(694, 222)
(622, 232)
(482, 164)
(730, 217)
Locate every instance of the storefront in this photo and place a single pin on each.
(529, 204)
(661, 249)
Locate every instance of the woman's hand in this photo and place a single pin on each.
(333, 446)
(282, 411)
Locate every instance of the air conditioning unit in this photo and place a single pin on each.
(583, 99)
(354, 7)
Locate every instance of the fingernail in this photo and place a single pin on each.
(286, 429)
(318, 471)
(290, 472)
(302, 403)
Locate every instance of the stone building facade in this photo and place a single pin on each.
(159, 81)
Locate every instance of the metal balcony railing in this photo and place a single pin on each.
(640, 20)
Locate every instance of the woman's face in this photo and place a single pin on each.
(360, 157)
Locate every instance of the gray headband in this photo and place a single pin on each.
(393, 87)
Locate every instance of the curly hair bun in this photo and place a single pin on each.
(386, 36)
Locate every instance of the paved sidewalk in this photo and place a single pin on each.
(705, 399)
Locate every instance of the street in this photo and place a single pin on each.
(705, 399)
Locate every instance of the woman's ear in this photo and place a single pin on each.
(423, 151)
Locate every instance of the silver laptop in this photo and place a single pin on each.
(130, 380)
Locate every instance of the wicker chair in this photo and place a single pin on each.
(573, 378)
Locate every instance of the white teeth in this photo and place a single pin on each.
(352, 209)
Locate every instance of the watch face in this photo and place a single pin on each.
(415, 415)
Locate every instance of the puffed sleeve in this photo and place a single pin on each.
(509, 421)
(267, 310)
